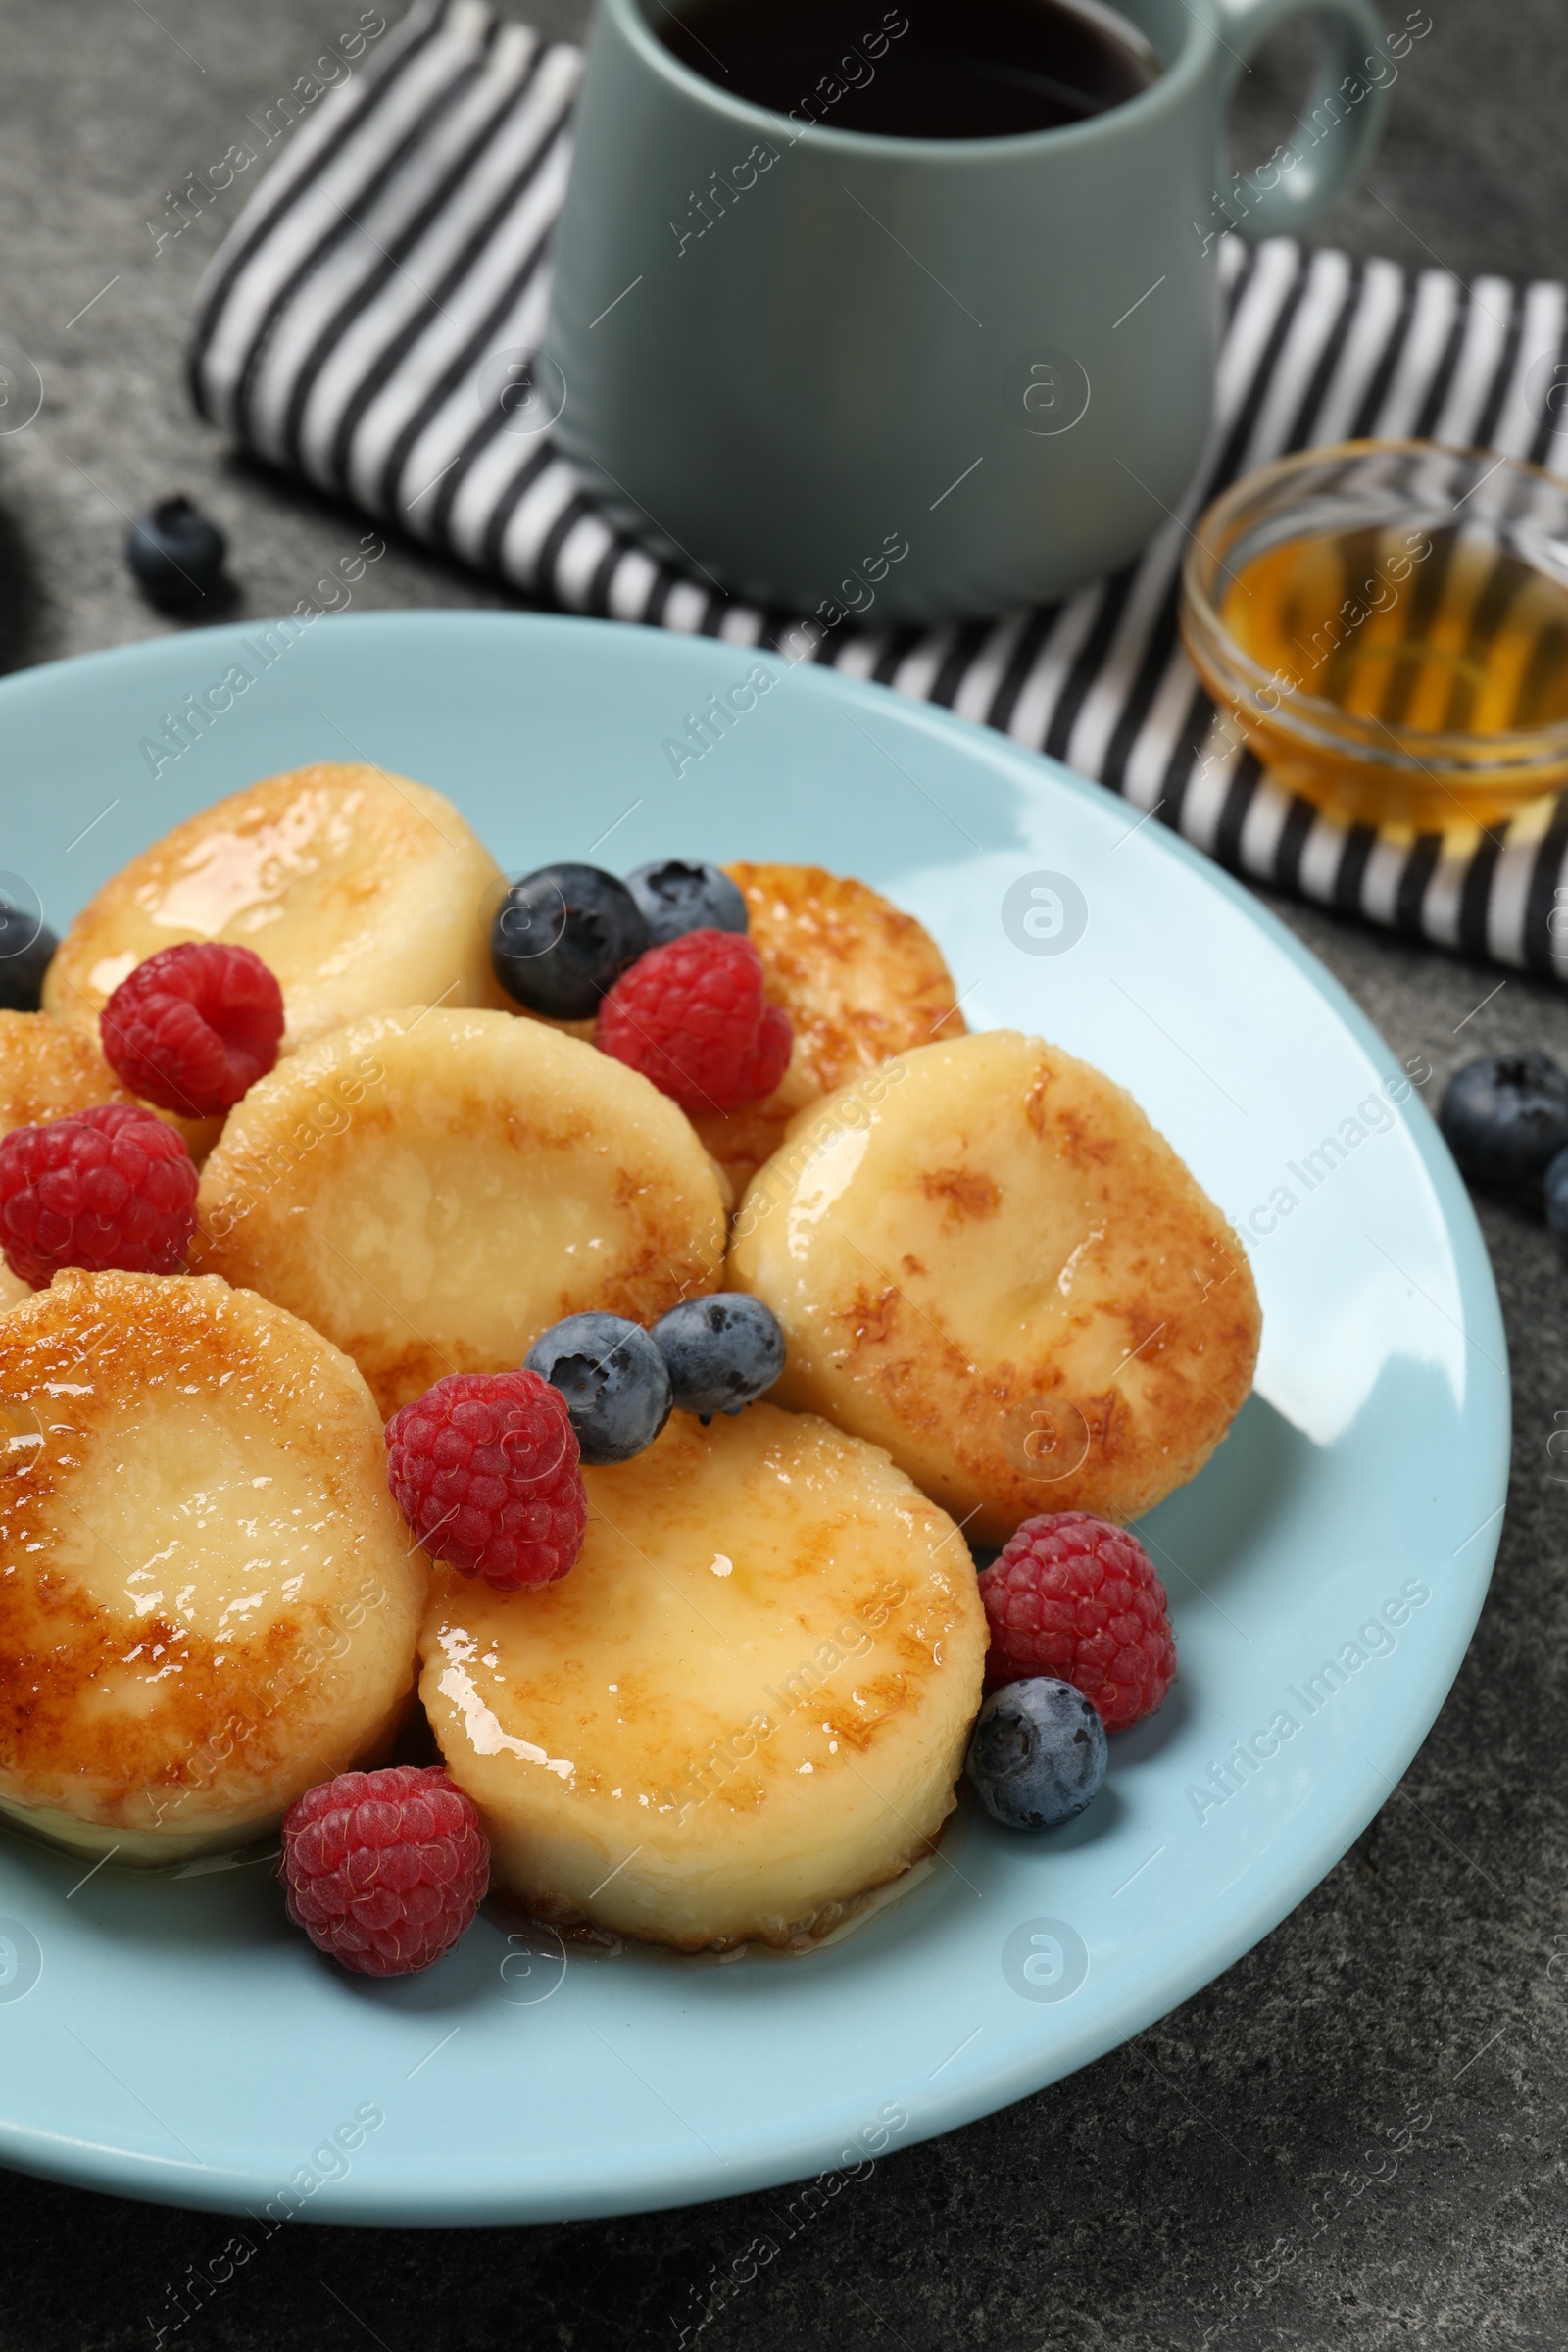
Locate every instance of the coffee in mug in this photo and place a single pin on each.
(933, 70)
(942, 275)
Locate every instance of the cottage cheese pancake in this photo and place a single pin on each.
(433, 1190)
(1001, 1272)
(360, 889)
(747, 1705)
(208, 1601)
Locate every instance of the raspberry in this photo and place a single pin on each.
(485, 1469)
(110, 1187)
(194, 1027)
(1076, 1597)
(385, 1870)
(770, 1056)
(691, 1016)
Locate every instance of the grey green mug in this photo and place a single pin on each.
(932, 378)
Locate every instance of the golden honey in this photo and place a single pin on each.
(1409, 667)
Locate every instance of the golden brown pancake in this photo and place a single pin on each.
(744, 1707)
(434, 1190)
(208, 1601)
(1001, 1273)
(360, 890)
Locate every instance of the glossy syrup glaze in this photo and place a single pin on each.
(207, 1600)
(744, 1707)
(434, 1190)
(999, 1271)
(360, 889)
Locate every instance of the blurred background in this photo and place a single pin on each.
(108, 107)
(1235, 2175)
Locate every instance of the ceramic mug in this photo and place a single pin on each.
(981, 367)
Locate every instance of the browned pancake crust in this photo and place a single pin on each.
(226, 873)
(860, 981)
(774, 1735)
(996, 1441)
(299, 1145)
(71, 1360)
(48, 1069)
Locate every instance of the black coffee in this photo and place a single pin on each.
(927, 70)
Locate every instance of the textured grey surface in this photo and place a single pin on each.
(1356, 2136)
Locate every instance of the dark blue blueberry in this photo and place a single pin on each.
(1506, 1115)
(26, 944)
(722, 1351)
(1554, 1195)
(1038, 1755)
(680, 895)
(176, 554)
(563, 938)
(612, 1377)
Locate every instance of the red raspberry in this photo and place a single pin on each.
(385, 1870)
(1076, 1597)
(692, 1017)
(110, 1187)
(194, 1027)
(485, 1469)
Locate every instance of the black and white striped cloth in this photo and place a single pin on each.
(402, 238)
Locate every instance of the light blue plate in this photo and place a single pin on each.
(174, 2038)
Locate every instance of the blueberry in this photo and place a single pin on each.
(612, 1377)
(680, 895)
(1506, 1115)
(563, 938)
(722, 1351)
(26, 947)
(176, 554)
(1038, 1755)
(1554, 1192)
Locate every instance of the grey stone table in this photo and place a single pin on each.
(1214, 2181)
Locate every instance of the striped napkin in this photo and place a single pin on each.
(401, 242)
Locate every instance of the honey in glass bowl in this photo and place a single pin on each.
(1387, 623)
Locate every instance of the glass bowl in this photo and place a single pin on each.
(1386, 623)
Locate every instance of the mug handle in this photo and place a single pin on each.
(1336, 130)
